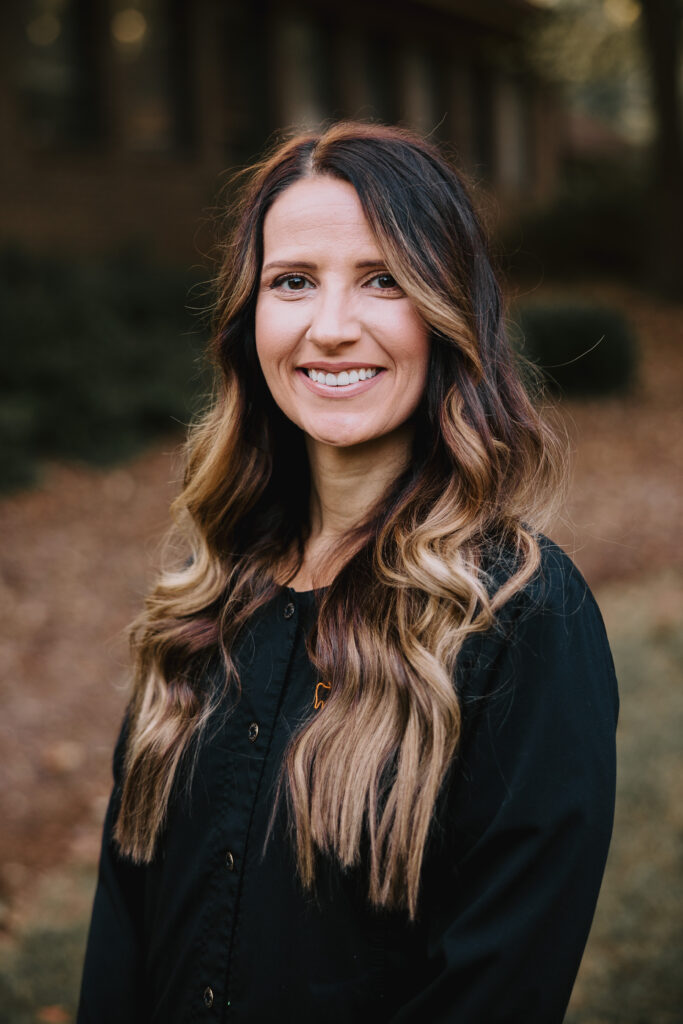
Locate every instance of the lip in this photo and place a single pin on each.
(347, 391)
(321, 364)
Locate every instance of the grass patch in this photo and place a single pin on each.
(43, 978)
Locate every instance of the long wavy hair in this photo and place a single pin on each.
(364, 772)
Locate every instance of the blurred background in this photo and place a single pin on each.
(121, 122)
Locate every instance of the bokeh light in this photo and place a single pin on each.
(129, 27)
(44, 30)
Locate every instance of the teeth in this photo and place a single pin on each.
(341, 380)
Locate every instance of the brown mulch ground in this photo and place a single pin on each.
(625, 504)
(76, 558)
(73, 569)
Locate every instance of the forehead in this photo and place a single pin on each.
(315, 212)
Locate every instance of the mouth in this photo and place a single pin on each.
(349, 381)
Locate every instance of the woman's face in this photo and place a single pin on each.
(342, 348)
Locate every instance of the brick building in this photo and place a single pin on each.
(119, 118)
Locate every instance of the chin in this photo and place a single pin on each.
(338, 435)
(340, 440)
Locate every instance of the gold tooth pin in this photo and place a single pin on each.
(319, 702)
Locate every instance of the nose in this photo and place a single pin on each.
(334, 320)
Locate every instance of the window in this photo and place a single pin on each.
(140, 43)
(418, 90)
(514, 137)
(299, 73)
(57, 87)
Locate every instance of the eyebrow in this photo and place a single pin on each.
(303, 265)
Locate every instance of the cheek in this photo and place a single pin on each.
(277, 334)
(417, 364)
(269, 339)
(407, 339)
(414, 353)
(261, 330)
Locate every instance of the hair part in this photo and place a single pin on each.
(417, 580)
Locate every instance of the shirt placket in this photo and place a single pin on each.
(265, 663)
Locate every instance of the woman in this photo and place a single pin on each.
(367, 767)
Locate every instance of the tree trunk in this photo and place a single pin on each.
(661, 24)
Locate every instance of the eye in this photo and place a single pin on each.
(384, 281)
(291, 282)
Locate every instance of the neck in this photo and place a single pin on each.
(346, 483)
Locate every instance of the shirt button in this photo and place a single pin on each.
(208, 997)
(229, 861)
(253, 731)
(289, 610)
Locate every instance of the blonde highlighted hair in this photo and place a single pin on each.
(416, 583)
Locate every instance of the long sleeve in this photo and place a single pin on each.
(530, 816)
(112, 988)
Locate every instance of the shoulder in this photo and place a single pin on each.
(556, 586)
(556, 592)
(539, 701)
(558, 604)
(550, 630)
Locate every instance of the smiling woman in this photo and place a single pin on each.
(367, 768)
(336, 325)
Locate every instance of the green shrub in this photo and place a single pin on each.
(580, 349)
(98, 360)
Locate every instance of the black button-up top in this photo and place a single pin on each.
(218, 928)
